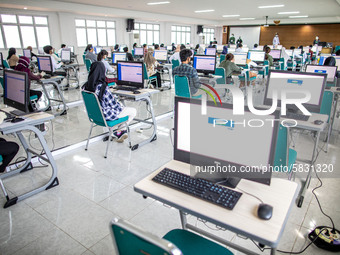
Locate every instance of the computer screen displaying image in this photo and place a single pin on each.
(130, 74)
(240, 58)
(276, 54)
(27, 53)
(210, 51)
(45, 64)
(205, 64)
(71, 48)
(117, 56)
(219, 47)
(97, 49)
(160, 55)
(256, 56)
(329, 70)
(65, 55)
(231, 50)
(138, 51)
(297, 51)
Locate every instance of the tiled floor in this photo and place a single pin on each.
(73, 218)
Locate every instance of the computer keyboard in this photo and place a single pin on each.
(205, 75)
(126, 88)
(200, 188)
(47, 76)
(296, 116)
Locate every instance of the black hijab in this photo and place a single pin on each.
(96, 77)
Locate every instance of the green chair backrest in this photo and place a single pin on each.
(2, 81)
(221, 72)
(93, 108)
(281, 147)
(84, 58)
(133, 52)
(129, 240)
(337, 48)
(88, 64)
(222, 57)
(266, 62)
(182, 86)
(146, 76)
(327, 103)
(5, 63)
(174, 63)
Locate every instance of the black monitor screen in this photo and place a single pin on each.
(45, 64)
(233, 142)
(16, 90)
(2, 60)
(205, 64)
(130, 73)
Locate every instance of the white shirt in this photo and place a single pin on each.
(108, 68)
(276, 40)
(55, 64)
(175, 56)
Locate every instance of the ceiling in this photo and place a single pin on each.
(244, 8)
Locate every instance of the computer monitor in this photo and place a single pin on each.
(205, 64)
(139, 51)
(337, 59)
(27, 53)
(296, 84)
(306, 49)
(228, 142)
(289, 53)
(130, 74)
(118, 56)
(97, 49)
(219, 47)
(232, 46)
(240, 58)
(231, 50)
(40, 50)
(245, 49)
(121, 47)
(210, 51)
(65, 55)
(16, 91)
(297, 51)
(279, 47)
(276, 54)
(256, 56)
(2, 61)
(160, 55)
(329, 70)
(260, 47)
(71, 48)
(151, 46)
(187, 47)
(169, 47)
(163, 48)
(317, 47)
(45, 64)
(322, 60)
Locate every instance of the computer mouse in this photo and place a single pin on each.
(14, 120)
(136, 92)
(318, 122)
(264, 211)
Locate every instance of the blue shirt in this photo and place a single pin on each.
(191, 73)
(110, 106)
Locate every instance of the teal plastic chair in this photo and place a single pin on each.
(182, 88)
(326, 108)
(337, 48)
(5, 63)
(84, 58)
(133, 53)
(96, 117)
(221, 72)
(88, 64)
(174, 63)
(222, 57)
(149, 79)
(128, 239)
(284, 156)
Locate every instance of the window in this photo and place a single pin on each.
(20, 31)
(95, 32)
(209, 34)
(180, 34)
(148, 33)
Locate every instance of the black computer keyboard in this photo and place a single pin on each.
(127, 88)
(47, 76)
(200, 188)
(205, 75)
(296, 116)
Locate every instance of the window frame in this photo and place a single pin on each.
(179, 29)
(146, 30)
(210, 32)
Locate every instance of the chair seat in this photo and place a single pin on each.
(190, 243)
(111, 84)
(112, 123)
(291, 159)
(35, 97)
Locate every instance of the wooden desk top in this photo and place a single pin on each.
(243, 218)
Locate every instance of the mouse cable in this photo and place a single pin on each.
(249, 194)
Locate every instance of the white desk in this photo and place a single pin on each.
(17, 128)
(242, 219)
(210, 80)
(143, 96)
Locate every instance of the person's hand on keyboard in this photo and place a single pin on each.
(42, 74)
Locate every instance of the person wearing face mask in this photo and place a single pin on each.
(232, 39)
(316, 41)
(276, 40)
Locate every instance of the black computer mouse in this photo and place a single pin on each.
(318, 122)
(14, 120)
(264, 211)
(136, 92)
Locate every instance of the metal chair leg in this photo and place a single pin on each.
(4, 190)
(128, 131)
(108, 141)
(88, 138)
(328, 134)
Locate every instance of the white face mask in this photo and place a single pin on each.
(316, 38)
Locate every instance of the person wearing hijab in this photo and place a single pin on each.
(151, 63)
(12, 58)
(23, 66)
(225, 50)
(8, 150)
(111, 107)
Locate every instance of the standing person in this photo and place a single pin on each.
(239, 40)
(232, 39)
(129, 56)
(89, 53)
(151, 63)
(22, 66)
(12, 58)
(316, 41)
(8, 150)
(111, 107)
(276, 40)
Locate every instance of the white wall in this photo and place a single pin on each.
(249, 35)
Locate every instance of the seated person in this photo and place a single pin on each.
(191, 73)
(111, 107)
(12, 58)
(229, 65)
(269, 57)
(176, 55)
(225, 50)
(31, 49)
(102, 56)
(156, 46)
(239, 48)
(62, 47)
(199, 50)
(89, 53)
(129, 56)
(8, 150)
(48, 49)
(23, 66)
(330, 61)
(151, 63)
(116, 48)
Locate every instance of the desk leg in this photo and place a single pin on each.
(153, 136)
(48, 107)
(53, 181)
(309, 176)
(63, 112)
(334, 112)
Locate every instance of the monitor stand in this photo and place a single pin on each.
(230, 182)
(18, 113)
